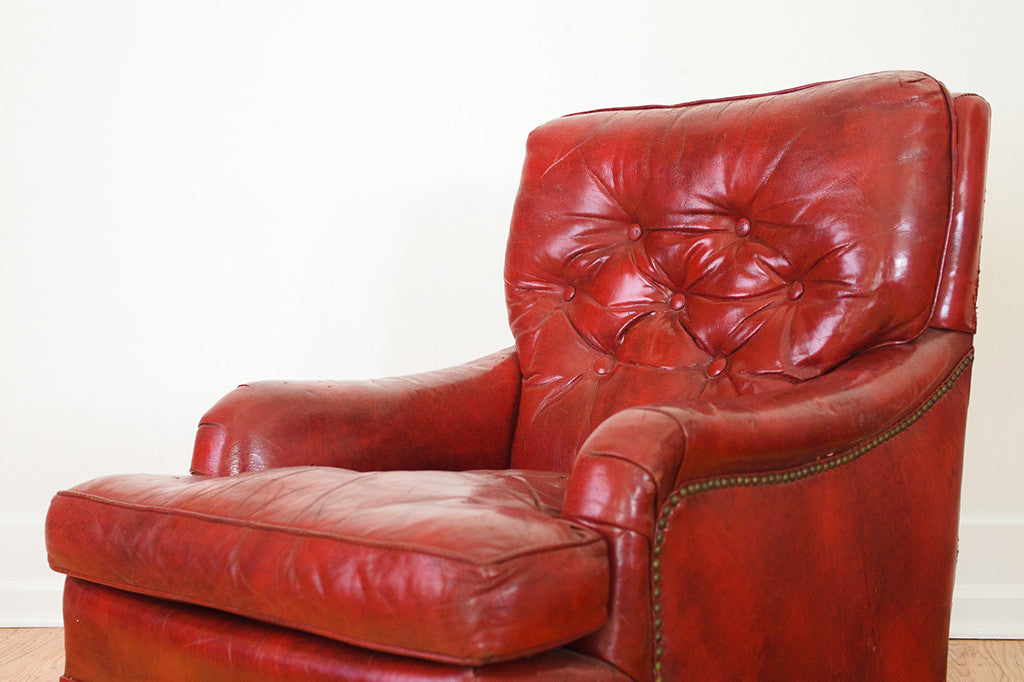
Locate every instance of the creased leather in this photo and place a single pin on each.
(458, 567)
(451, 419)
(633, 461)
(702, 251)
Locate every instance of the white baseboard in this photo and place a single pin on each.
(988, 612)
(30, 604)
(30, 593)
(988, 601)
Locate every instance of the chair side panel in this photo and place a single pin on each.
(844, 574)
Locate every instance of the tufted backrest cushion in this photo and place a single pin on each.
(705, 250)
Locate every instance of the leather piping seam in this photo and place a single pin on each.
(918, 76)
(373, 545)
(766, 479)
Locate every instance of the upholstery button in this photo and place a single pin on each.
(604, 364)
(635, 231)
(716, 367)
(796, 290)
(569, 293)
(743, 227)
(678, 301)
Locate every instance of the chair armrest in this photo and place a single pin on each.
(452, 419)
(635, 459)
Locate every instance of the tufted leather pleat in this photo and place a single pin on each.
(721, 248)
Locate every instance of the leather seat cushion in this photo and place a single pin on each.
(462, 567)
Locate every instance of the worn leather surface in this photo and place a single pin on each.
(701, 251)
(846, 574)
(634, 461)
(114, 635)
(450, 419)
(716, 305)
(463, 567)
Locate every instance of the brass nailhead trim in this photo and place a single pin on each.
(771, 479)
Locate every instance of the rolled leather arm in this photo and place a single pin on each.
(633, 461)
(452, 419)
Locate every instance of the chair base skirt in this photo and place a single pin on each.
(115, 635)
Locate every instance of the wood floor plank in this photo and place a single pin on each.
(987, 660)
(31, 654)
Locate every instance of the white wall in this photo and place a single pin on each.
(195, 194)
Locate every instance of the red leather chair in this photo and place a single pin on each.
(727, 444)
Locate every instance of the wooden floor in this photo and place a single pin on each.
(986, 659)
(28, 654)
(31, 654)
